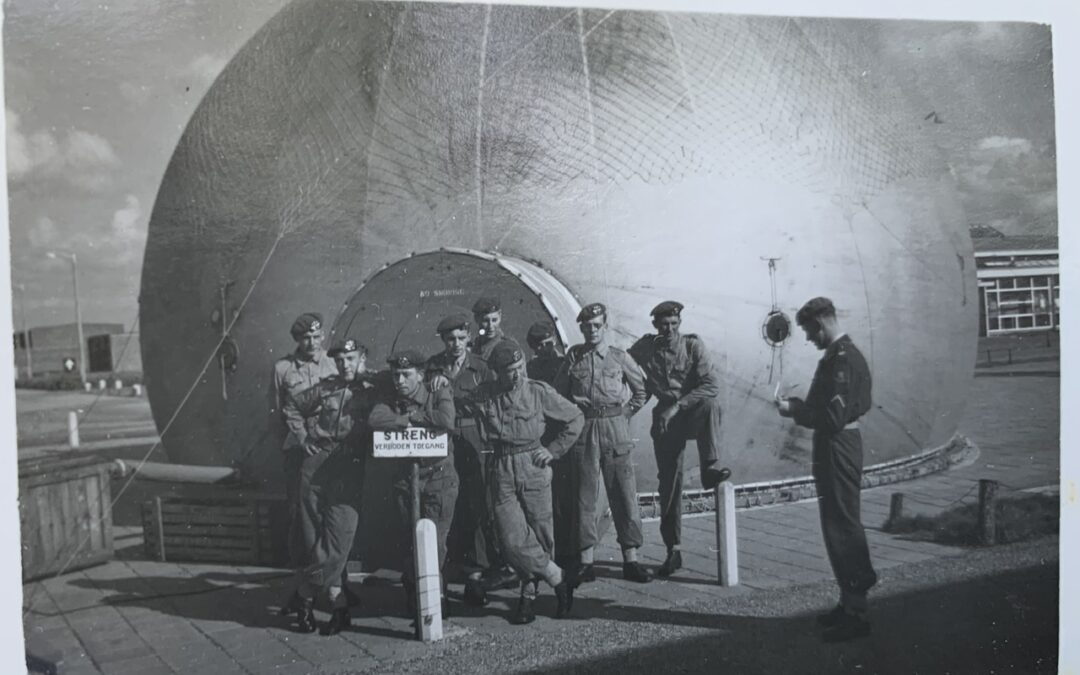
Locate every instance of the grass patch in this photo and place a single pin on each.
(1017, 519)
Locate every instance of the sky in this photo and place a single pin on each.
(98, 93)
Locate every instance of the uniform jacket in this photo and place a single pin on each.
(840, 392)
(676, 372)
(331, 415)
(430, 410)
(601, 377)
(544, 368)
(482, 347)
(292, 374)
(472, 373)
(516, 419)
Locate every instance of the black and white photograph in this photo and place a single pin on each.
(357, 336)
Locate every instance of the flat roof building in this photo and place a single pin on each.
(1019, 282)
(109, 349)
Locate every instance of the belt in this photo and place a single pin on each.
(506, 450)
(592, 412)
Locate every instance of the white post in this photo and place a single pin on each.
(727, 555)
(118, 385)
(101, 385)
(73, 429)
(428, 582)
(136, 390)
(88, 387)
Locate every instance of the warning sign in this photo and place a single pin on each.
(411, 443)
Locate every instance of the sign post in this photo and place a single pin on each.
(414, 444)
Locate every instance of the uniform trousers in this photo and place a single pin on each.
(339, 508)
(602, 456)
(472, 534)
(699, 421)
(438, 495)
(837, 470)
(521, 500)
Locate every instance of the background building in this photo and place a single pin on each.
(109, 349)
(1019, 282)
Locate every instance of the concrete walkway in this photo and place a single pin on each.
(135, 616)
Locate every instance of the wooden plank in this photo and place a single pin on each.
(50, 537)
(208, 519)
(208, 542)
(209, 532)
(208, 555)
(104, 492)
(198, 509)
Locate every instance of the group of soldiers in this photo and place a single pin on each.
(532, 439)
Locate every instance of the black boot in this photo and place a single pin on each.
(673, 562)
(291, 605)
(351, 599)
(564, 597)
(524, 613)
(475, 595)
(305, 616)
(340, 619)
(635, 571)
(714, 475)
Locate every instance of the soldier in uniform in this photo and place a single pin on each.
(487, 313)
(679, 373)
(596, 376)
(838, 396)
(463, 372)
(300, 370)
(544, 366)
(512, 413)
(330, 420)
(546, 360)
(410, 404)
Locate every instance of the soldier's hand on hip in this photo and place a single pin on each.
(541, 457)
(438, 382)
(665, 416)
(310, 449)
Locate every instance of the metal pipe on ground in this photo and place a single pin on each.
(173, 473)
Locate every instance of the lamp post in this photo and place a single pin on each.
(78, 311)
(26, 334)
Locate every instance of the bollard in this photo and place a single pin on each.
(88, 387)
(73, 429)
(136, 390)
(101, 385)
(727, 555)
(428, 582)
(896, 509)
(987, 519)
(118, 385)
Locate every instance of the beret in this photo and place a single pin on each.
(406, 359)
(486, 306)
(305, 323)
(814, 308)
(452, 322)
(344, 347)
(667, 308)
(591, 312)
(505, 354)
(539, 331)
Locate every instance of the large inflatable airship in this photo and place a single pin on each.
(388, 163)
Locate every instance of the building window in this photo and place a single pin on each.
(1022, 303)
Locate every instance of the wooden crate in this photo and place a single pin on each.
(217, 526)
(65, 513)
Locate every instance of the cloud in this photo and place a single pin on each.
(127, 221)
(43, 233)
(205, 67)
(1009, 183)
(1001, 144)
(82, 158)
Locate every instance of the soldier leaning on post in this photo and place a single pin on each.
(487, 313)
(596, 376)
(463, 371)
(301, 370)
(838, 397)
(333, 432)
(679, 373)
(409, 404)
(513, 413)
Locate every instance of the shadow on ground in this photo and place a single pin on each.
(1003, 623)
